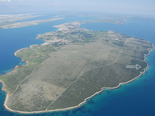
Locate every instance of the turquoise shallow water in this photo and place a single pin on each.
(133, 99)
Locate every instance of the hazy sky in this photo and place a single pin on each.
(105, 6)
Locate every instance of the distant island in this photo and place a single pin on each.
(27, 23)
(21, 20)
(73, 65)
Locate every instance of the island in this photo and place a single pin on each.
(73, 65)
(27, 23)
(18, 20)
(9, 19)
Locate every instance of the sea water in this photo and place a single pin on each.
(134, 99)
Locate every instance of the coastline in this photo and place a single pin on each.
(85, 100)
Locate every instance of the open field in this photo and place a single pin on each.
(73, 65)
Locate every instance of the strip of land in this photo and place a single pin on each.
(73, 65)
(27, 23)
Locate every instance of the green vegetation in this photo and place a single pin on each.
(72, 65)
(33, 56)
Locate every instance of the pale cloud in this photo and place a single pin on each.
(5, 0)
(109, 6)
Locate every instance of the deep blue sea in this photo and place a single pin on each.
(134, 99)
